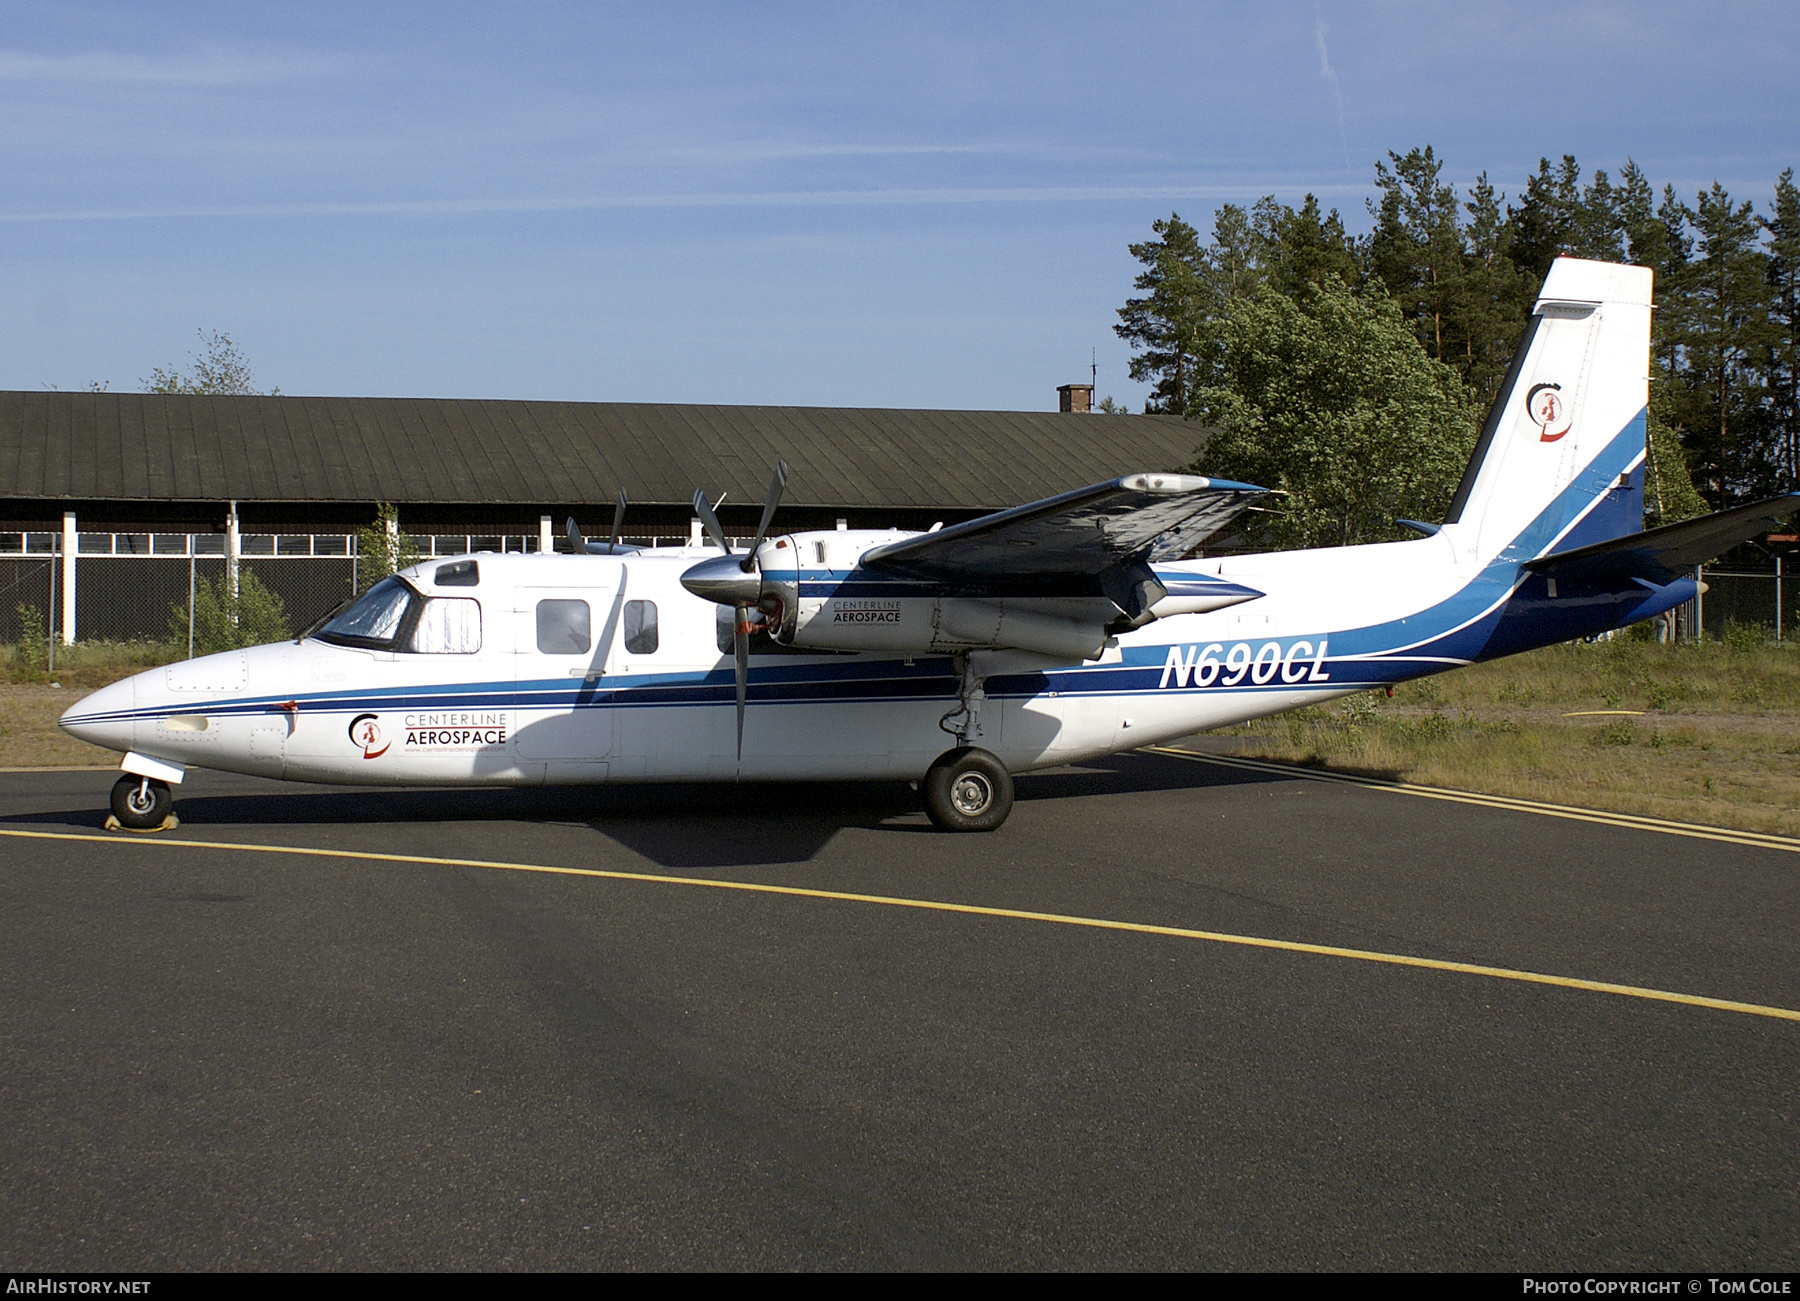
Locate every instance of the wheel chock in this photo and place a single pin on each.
(168, 824)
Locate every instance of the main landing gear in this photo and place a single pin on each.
(141, 803)
(968, 789)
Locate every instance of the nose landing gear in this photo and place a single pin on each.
(141, 803)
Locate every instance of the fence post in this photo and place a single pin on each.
(50, 636)
(190, 545)
(233, 548)
(546, 536)
(1778, 599)
(1699, 604)
(70, 549)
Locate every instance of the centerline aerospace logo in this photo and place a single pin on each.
(1547, 407)
(854, 611)
(439, 731)
(365, 731)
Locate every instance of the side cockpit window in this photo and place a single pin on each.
(564, 627)
(447, 625)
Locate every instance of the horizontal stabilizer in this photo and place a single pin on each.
(1672, 547)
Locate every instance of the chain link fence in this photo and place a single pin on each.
(1737, 600)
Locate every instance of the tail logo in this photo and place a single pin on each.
(1545, 405)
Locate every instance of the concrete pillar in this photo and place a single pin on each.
(546, 535)
(694, 536)
(71, 540)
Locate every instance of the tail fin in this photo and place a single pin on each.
(1560, 460)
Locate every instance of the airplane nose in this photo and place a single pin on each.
(104, 717)
(721, 579)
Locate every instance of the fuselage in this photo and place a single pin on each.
(566, 669)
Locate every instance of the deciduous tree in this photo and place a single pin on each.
(1329, 397)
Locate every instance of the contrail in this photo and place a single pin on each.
(1326, 71)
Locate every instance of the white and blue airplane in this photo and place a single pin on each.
(1043, 635)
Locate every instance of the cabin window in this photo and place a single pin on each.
(464, 573)
(374, 619)
(564, 627)
(640, 627)
(448, 625)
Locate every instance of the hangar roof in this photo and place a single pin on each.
(159, 447)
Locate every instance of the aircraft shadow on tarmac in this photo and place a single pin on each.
(686, 826)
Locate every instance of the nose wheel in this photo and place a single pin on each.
(968, 789)
(141, 803)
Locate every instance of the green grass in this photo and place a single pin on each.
(1707, 733)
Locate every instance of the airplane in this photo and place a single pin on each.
(1047, 634)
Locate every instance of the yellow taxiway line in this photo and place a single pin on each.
(1631, 821)
(968, 909)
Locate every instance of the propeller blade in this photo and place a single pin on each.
(576, 543)
(612, 547)
(740, 645)
(703, 508)
(777, 486)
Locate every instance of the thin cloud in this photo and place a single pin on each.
(1326, 71)
(766, 199)
(219, 68)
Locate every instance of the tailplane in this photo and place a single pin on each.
(1560, 460)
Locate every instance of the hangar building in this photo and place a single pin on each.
(113, 504)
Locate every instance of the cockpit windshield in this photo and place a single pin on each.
(374, 619)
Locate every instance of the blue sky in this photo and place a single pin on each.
(859, 205)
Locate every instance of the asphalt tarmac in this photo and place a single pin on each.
(236, 1059)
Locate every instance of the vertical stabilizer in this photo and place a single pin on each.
(1560, 460)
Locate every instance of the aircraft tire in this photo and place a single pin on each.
(141, 803)
(968, 789)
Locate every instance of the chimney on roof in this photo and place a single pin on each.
(1075, 397)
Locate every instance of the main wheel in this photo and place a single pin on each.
(968, 790)
(141, 803)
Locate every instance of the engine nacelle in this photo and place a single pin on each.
(925, 625)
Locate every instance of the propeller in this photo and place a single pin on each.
(710, 521)
(581, 546)
(713, 580)
(777, 486)
(612, 547)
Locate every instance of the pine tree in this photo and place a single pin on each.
(1496, 294)
(1728, 333)
(1417, 247)
(1301, 247)
(1782, 364)
(1161, 325)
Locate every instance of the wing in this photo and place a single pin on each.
(1091, 542)
(1671, 547)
